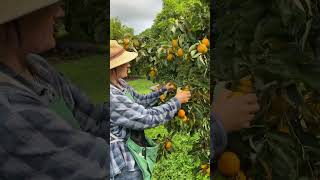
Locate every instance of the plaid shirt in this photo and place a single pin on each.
(138, 115)
(36, 143)
(218, 137)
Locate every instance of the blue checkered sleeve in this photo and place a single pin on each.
(132, 115)
(147, 100)
(218, 136)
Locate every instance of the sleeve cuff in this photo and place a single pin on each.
(162, 90)
(176, 102)
(220, 138)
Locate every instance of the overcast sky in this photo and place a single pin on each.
(138, 14)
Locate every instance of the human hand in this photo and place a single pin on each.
(183, 96)
(235, 112)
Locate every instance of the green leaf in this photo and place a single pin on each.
(196, 55)
(299, 5)
(173, 29)
(192, 53)
(193, 47)
(201, 60)
(305, 34)
(309, 7)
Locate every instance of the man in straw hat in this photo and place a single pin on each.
(48, 128)
(132, 154)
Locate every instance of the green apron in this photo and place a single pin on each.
(145, 157)
(57, 105)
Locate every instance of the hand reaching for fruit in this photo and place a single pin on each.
(235, 112)
(183, 96)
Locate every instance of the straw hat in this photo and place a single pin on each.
(119, 56)
(12, 9)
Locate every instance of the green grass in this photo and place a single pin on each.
(90, 74)
(141, 85)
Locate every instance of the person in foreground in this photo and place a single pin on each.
(48, 128)
(132, 154)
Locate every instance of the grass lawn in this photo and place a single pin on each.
(89, 74)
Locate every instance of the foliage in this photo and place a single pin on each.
(86, 20)
(274, 44)
(188, 69)
(118, 30)
(182, 143)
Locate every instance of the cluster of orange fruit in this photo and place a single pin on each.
(203, 46)
(171, 50)
(229, 166)
(181, 112)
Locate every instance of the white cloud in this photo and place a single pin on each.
(138, 14)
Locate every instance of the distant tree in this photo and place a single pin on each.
(118, 30)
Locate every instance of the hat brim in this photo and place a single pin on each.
(13, 9)
(122, 59)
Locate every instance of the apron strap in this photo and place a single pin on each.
(115, 139)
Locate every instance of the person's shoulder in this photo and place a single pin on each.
(123, 83)
(42, 67)
(37, 59)
(114, 90)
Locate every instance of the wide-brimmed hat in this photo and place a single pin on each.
(119, 56)
(13, 9)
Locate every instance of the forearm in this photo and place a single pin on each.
(218, 136)
(148, 100)
(134, 116)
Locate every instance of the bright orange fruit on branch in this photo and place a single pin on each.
(229, 164)
(152, 73)
(170, 57)
(168, 145)
(180, 52)
(206, 42)
(181, 113)
(174, 43)
(202, 48)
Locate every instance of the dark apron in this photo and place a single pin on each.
(143, 150)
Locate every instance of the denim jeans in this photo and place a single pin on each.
(129, 175)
